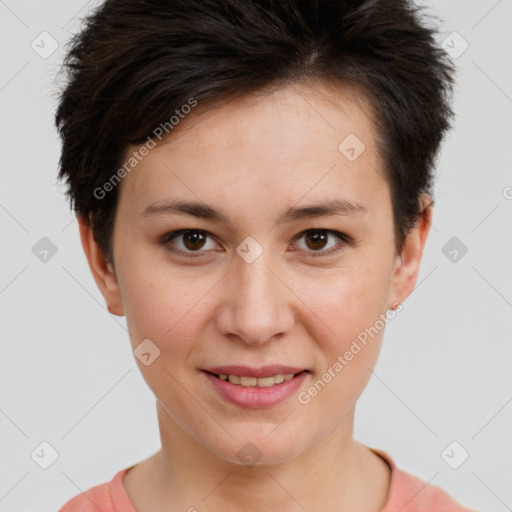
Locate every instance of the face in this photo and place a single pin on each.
(259, 278)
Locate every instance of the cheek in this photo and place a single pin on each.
(345, 299)
(352, 309)
(166, 307)
(350, 306)
(171, 314)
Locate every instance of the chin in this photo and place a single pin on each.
(258, 449)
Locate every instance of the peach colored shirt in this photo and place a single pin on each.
(407, 493)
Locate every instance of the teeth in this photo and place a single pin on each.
(278, 379)
(234, 379)
(262, 382)
(265, 382)
(248, 381)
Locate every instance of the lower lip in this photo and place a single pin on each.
(255, 397)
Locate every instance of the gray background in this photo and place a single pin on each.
(68, 376)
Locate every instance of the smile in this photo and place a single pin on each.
(261, 382)
(256, 392)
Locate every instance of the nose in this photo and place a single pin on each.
(257, 305)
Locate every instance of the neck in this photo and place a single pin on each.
(336, 473)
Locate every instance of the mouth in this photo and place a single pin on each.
(259, 382)
(256, 388)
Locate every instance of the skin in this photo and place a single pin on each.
(252, 158)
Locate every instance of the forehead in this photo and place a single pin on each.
(285, 144)
(290, 118)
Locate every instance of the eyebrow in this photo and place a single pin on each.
(203, 211)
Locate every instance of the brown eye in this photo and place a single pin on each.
(315, 240)
(192, 242)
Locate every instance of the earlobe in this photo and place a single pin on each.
(102, 271)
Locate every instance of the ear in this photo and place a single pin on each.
(103, 272)
(405, 273)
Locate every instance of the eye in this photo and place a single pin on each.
(316, 240)
(193, 240)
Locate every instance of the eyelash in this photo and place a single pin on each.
(167, 238)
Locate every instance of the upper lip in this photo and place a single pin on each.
(263, 371)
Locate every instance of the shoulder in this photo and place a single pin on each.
(94, 499)
(415, 495)
(409, 493)
(100, 497)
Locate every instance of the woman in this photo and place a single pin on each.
(252, 181)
